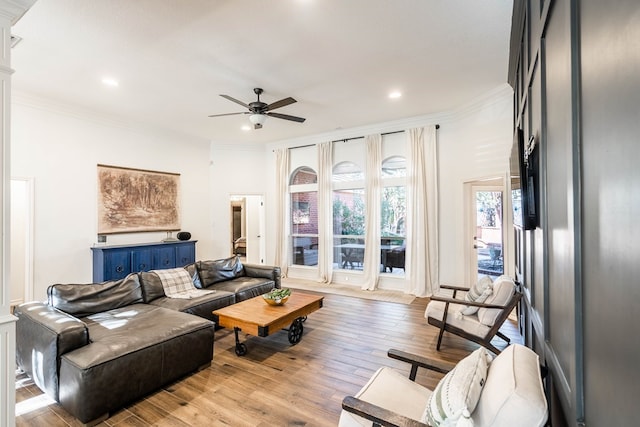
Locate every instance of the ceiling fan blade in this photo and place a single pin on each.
(228, 114)
(281, 103)
(286, 117)
(235, 100)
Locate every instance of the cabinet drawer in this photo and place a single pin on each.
(164, 257)
(117, 264)
(141, 260)
(185, 254)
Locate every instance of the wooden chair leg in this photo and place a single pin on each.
(440, 337)
(444, 323)
(504, 337)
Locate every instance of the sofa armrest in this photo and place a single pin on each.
(264, 271)
(378, 415)
(43, 334)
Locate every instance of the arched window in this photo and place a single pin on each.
(393, 213)
(348, 216)
(303, 187)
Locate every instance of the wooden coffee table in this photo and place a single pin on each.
(254, 316)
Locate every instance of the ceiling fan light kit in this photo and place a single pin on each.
(257, 120)
(259, 110)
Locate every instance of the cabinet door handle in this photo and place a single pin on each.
(142, 266)
(119, 269)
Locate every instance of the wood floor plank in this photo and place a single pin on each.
(279, 384)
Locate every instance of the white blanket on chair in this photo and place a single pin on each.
(177, 283)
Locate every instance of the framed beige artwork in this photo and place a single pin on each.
(136, 200)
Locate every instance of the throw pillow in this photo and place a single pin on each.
(478, 293)
(458, 391)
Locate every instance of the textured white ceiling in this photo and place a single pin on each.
(338, 58)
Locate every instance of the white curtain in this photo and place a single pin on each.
(373, 145)
(282, 209)
(422, 209)
(325, 212)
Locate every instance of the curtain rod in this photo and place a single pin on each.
(351, 139)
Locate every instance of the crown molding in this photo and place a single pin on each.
(55, 107)
(13, 10)
(495, 96)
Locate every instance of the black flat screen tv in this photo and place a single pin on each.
(523, 164)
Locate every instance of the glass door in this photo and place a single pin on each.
(488, 238)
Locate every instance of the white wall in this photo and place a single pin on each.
(476, 144)
(61, 150)
(235, 169)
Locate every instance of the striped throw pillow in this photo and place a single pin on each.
(478, 293)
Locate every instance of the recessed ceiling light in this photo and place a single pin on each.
(111, 82)
(246, 128)
(395, 94)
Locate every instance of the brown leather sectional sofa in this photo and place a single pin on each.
(97, 347)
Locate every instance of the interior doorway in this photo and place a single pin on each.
(485, 235)
(21, 246)
(247, 227)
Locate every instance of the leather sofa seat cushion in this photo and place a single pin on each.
(134, 351)
(202, 306)
(117, 332)
(85, 299)
(219, 270)
(245, 287)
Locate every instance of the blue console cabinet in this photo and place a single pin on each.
(115, 262)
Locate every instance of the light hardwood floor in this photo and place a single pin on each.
(277, 384)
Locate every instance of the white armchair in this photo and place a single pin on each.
(505, 392)
(477, 317)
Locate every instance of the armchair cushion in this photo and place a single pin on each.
(406, 398)
(479, 292)
(459, 390)
(469, 324)
(503, 289)
(513, 391)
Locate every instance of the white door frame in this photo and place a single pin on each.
(470, 215)
(254, 219)
(28, 220)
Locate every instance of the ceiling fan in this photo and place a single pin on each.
(259, 110)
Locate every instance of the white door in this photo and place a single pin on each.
(485, 237)
(255, 229)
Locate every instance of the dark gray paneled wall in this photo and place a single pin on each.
(561, 197)
(610, 39)
(575, 69)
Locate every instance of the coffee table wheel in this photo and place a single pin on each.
(241, 349)
(295, 331)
